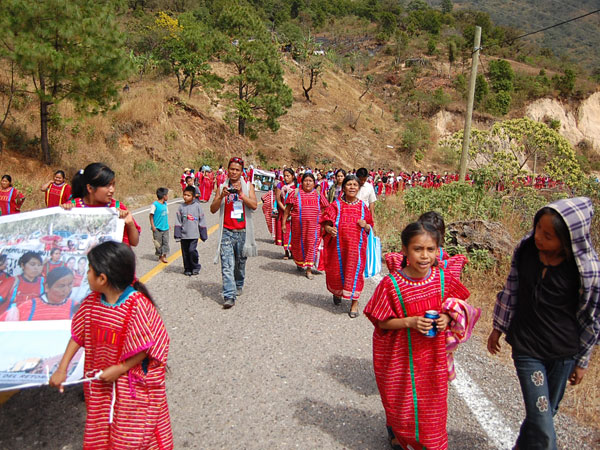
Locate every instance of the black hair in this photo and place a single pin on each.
(117, 262)
(560, 228)
(7, 177)
(384, 179)
(191, 189)
(161, 192)
(95, 174)
(28, 256)
(349, 178)
(54, 249)
(188, 178)
(414, 229)
(56, 274)
(338, 171)
(362, 172)
(308, 175)
(291, 172)
(60, 172)
(435, 219)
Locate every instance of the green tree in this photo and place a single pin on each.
(447, 6)
(481, 89)
(187, 46)
(565, 83)
(69, 49)
(259, 95)
(501, 75)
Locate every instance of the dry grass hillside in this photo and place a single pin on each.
(156, 132)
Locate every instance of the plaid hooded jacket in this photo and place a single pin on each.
(577, 214)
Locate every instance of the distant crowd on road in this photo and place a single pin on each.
(549, 308)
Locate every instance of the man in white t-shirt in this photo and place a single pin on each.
(366, 193)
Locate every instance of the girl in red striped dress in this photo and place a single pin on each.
(305, 208)
(411, 369)
(283, 191)
(347, 222)
(124, 337)
(94, 187)
(56, 191)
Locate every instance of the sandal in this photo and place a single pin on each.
(354, 314)
(309, 275)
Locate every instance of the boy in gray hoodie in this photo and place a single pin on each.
(189, 226)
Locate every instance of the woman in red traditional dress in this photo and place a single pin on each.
(347, 222)
(53, 304)
(56, 191)
(54, 262)
(305, 207)
(282, 192)
(208, 182)
(94, 187)
(411, 369)
(29, 284)
(11, 200)
(125, 339)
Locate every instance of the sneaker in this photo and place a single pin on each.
(195, 272)
(228, 303)
(187, 274)
(240, 291)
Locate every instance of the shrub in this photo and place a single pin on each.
(415, 135)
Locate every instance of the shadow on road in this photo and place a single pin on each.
(282, 268)
(355, 373)
(274, 255)
(353, 428)
(460, 440)
(149, 257)
(42, 418)
(206, 289)
(323, 301)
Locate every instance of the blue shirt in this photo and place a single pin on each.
(161, 215)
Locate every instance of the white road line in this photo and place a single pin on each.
(500, 434)
(179, 200)
(490, 420)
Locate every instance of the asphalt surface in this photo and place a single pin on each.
(284, 368)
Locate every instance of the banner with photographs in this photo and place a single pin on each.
(43, 279)
(263, 180)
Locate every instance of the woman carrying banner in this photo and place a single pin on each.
(11, 200)
(305, 208)
(56, 191)
(94, 187)
(347, 222)
(282, 192)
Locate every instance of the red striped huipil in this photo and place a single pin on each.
(306, 232)
(79, 203)
(207, 186)
(349, 248)
(111, 334)
(280, 239)
(8, 201)
(411, 369)
(57, 194)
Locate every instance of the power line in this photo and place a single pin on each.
(551, 26)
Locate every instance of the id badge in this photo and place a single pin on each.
(238, 210)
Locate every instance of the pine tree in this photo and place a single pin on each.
(69, 49)
(259, 94)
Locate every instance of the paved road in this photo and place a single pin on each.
(284, 368)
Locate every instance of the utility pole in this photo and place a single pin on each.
(467, 133)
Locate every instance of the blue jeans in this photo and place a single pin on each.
(233, 263)
(543, 384)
